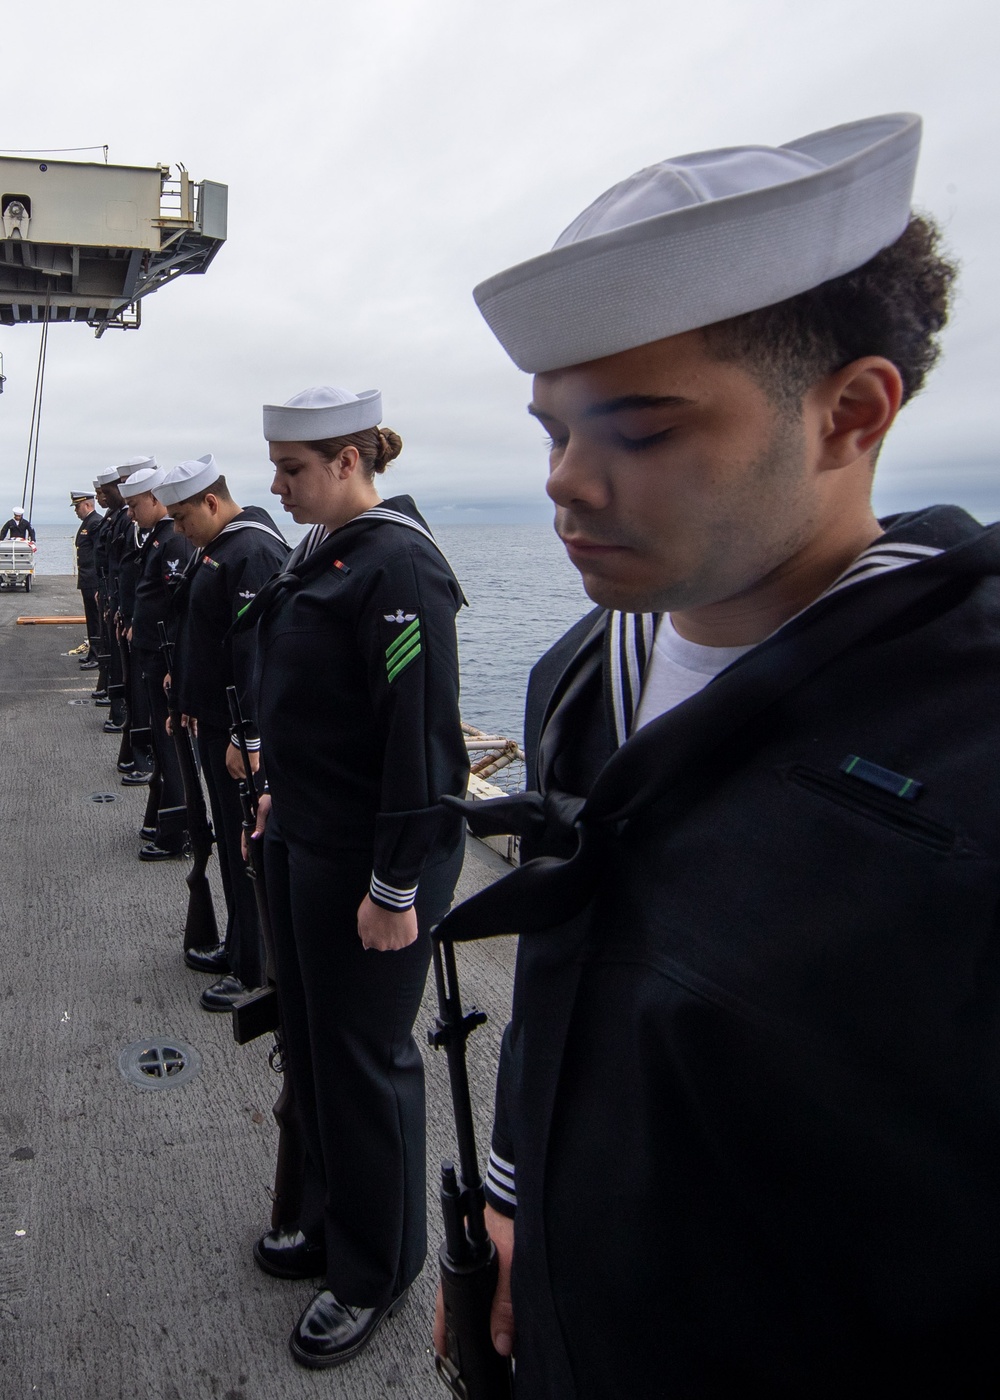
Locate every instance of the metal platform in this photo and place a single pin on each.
(81, 241)
(127, 1216)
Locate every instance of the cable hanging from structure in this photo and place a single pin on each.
(57, 151)
(31, 461)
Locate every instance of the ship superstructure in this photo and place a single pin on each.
(85, 241)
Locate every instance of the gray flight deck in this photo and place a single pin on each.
(127, 1215)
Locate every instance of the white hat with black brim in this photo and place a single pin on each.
(133, 465)
(145, 479)
(321, 413)
(76, 496)
(182, 482)
(109, 477)
(705, 237)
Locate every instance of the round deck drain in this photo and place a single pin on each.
(103, 797)
(79, 702)
(161, 1063)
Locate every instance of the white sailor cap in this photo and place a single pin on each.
(75, 496)
(134, 464)
(704, 237)
(321, 413)
(17, 510)
(145, 479)
(108, 477)
(186, 480)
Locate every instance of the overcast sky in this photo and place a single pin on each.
(384, 157)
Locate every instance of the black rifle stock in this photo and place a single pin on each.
(258, 1013)
(471, 1368)
(200, 928)
(104, 652)
(125, 753)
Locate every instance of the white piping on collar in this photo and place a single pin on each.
(249, 525)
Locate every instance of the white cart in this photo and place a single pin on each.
(17, 564)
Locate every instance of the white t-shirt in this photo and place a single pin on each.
(677, 670)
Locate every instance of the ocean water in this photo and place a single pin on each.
(523, 593)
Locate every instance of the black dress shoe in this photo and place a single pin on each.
(330, 1332)
(148, 833)
(221, 995)
(288, 1254)
(214, 960)
(110, 727)
(151, 851)
(90, 665)
(137, 778)
(100, 699)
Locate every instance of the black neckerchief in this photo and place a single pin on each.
(309, 568)
(320, 559)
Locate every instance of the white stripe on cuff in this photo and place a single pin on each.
(500, 1179)
(390, 895)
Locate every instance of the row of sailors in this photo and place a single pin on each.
(131, 564)
(344, 657)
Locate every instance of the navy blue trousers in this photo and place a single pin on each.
(356, 1072)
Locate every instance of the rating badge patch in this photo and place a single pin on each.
(404, 648)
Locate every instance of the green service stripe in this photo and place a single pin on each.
(395, 647)
(404, 661)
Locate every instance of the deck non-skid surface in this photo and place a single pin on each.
(127, 1215)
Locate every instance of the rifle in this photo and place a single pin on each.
(104, 652)
(472, 1368)
(200, 928)
(126, 756)
(258, 1013)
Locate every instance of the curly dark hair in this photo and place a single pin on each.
(894, 305)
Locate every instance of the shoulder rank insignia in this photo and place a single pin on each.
(399, 616)
(404, 649)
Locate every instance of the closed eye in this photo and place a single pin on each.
(631, 444)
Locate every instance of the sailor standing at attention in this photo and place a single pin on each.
(360, 733)
(135, 760)
(100, 536)
(161, 563)
(748, 1116)
(85, 506)
(237, 551)
(110, 546)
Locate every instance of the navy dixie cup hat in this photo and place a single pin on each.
(704, 237)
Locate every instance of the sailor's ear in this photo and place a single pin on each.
(347, 463)
(854, 408)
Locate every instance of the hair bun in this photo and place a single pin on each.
(390, 445)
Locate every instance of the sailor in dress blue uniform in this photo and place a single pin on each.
(85, 505)
(238, 549)
(360, 734)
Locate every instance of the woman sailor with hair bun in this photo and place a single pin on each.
(360, 735)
